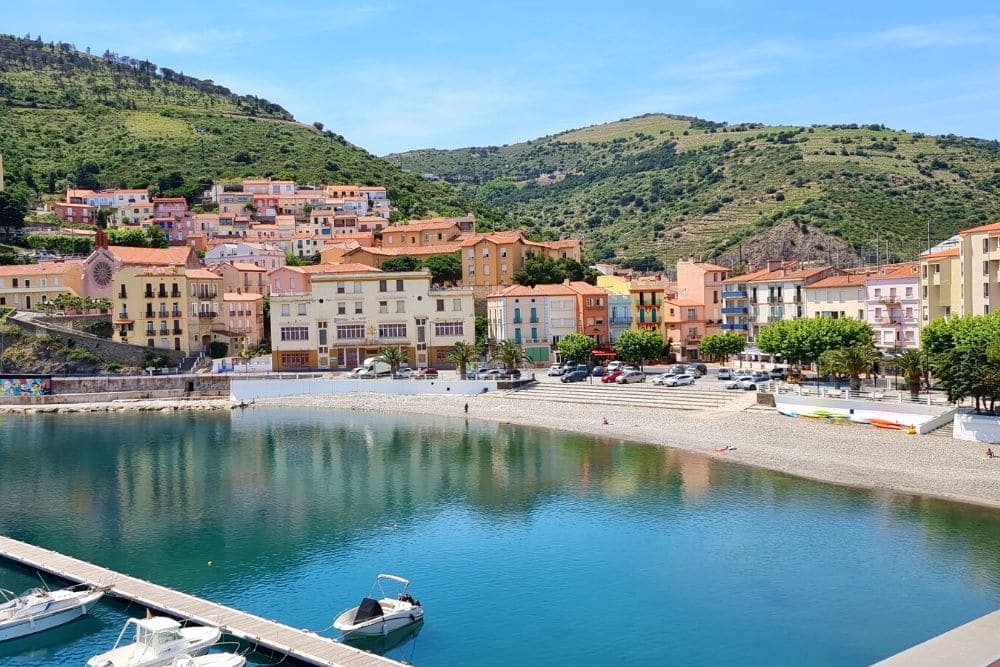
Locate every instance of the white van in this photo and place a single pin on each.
(372, 368)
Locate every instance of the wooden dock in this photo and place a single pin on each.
(304, 646)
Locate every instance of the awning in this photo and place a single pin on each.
(604, 353)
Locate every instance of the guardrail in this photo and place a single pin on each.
(884, 396)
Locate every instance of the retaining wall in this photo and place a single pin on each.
(925, 418)
(98, 389)
(249, 389)
(977, 428)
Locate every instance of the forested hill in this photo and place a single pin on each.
(69, 118)
(671, 186)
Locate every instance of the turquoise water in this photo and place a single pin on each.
(526, 546)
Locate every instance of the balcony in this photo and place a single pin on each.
(176, 312)
(175, 293)
(163, 314)
(734, 294)
(205, 294)
(890, 301)
(149, 314)
(775, 318)
(207, 314)
(148, 294)
(177, 331)
(621, 320)
(162, 294)
(734, 327)
(694, 340)
(774, 300)
(518, 320)
(734, 311)
(533, 320)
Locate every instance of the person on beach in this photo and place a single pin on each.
(466, 408)
(605, 421)
(989, 453)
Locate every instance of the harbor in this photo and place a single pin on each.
(305, 647)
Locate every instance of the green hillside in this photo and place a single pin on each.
(69, 118)
(671, 186)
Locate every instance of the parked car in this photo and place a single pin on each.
(425, 374)
(598, 371)
(741, 373)
(693, 371)
(702, 368)
(778, 373)
(615, 365)
(631, 377)
(403, 373)
(355, 372)
(677, 370)
(613, 375)
(678, 380)
(760, 376)
(489, 374)
(661, 378)
(725, 373)
(745, 383)
(514, 374)
(578, 375)
(556, 370)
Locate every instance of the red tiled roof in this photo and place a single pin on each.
(991, 227)
(581, 287)
(244, 266)
(415, 251)
(558, 289)
(349, 267)
(172, 256)
(202, 274)
(41, 269)
(848, 280)
(951, 252)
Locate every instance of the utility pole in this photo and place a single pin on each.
(877, 246)
(928, 235)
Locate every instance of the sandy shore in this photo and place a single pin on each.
(845, 454)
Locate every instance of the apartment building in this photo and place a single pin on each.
(101, 265)
(534, 317)
(242, 278)
(241, 321)
(298, 279)
(685, 326)
(893, 308)
(591, 311)
(940, 285)
(648, 296)
(150, 307)
(490, 260)
(265, 255)
(980, 269)
(703, 283)
(31, 286)
(421, 233)
(619, 305)
(837, 297)
(347, 317)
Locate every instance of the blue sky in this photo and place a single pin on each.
(399, 75)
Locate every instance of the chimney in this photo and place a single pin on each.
(774, 264)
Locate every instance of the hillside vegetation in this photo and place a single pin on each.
(69, 118)
(672, 186)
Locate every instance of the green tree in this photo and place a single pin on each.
(803, 341)
(394, 356)
(445, 269)
(12, 212)
(482, 334)
(401, 263)
(156, 238)
(128, 236)
(721, 346)
(217, 349)
(539, 270)
(964, 354)
(576, 347)
(850, 362)
(912, 364)
(461, 354)
(512, 355)
(636, 347)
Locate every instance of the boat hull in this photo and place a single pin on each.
(379, 626)
(28, 626)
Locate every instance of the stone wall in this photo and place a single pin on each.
(122, 353)
(74, 322)
(95, 389)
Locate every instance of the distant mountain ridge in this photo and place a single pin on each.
(674, 186)
(69, 118)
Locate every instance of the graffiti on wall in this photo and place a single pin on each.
(25, 386)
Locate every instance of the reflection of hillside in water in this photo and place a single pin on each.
(159, 495)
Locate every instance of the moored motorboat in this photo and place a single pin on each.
(209, 660)
(37, 609)
(384, 615)
(159, 641)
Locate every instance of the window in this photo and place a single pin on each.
(294, 333)
(302, 309)
(400, 306)
(341, 308)
(878, 293)
(383, 307)
(909, 313)
(503, 268)
(322, 333)
(534, 333)
(341, 288)
(383, 286)
(392, 331)
(986, 269)
(449, 328)
(924, 267)
(937, 268)
(357, 288)
(503, 253)
(986, 289)
(486, 253)
(357, 308)
(350, 331)
(286, 310)
(878, 313)
(909, 292)
(486, 270)
(399, 285)
(456, 305)
(472, 253)
(692, 314)
(472, 270)
(986, 244)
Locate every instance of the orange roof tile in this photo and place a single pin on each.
(202, 274)
(172, 256)
(421, 225)
(847, 280)
(951, 252)
(244, 266)
(349, 267)
(557, 289)
(991, 227)
(41, 269)
(581, 287)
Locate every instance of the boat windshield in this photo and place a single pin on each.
(33, 592)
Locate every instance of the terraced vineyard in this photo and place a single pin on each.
(672, 186)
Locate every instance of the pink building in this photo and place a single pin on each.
(701, 284)
(893, 306)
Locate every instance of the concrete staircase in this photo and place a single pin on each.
(642, 395)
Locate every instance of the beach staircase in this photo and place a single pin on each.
(699, 396)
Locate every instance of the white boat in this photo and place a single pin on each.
(159, 641)
(37, 609)
(384, 615)
(210, 660)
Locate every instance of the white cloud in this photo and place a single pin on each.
(733, 64)
(948, 34)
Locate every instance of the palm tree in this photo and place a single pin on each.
(394, 356)
(912, 364)
(852, 362)
(461, 354)
(512, 355)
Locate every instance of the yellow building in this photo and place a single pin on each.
(940, 285)
(204, 289)
(648, 295)
(341, 318)
(29, 286)
(420, 233)
(980, 258)
(490, 260)
(150, 307)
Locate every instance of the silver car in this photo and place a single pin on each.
(631, 377)
(678, 380)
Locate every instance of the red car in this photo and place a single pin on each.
(425, 374)
(613, 375)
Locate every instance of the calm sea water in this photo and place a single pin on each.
(526, 546)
